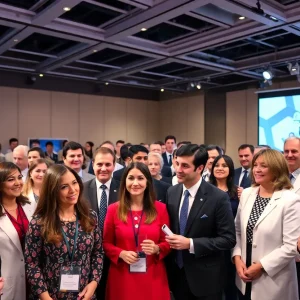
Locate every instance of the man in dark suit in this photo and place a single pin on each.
(242, 177)
(203, 227)
(139, 153)
(49, 152)
(101, 192)
(170, 142)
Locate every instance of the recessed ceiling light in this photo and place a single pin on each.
(162, 90)
(16, 40)
(67, 8)
(294, 69)
(144, 29)
(273, 18)
(41, 75)
(95, 50)
(242, 18)
(106, 83)
(198, 86)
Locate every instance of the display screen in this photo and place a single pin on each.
(279, 117)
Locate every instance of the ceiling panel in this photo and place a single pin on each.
(26, 4)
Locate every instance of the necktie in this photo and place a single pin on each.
(244, 180)
(182, 223)
(170, 160)
(103, 207)
(291, 176)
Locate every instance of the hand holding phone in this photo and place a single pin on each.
(167, 230)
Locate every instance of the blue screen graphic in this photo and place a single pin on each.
(279, 118)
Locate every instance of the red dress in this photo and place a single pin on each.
(118, 236)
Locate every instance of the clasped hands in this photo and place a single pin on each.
(147, 246)
(248, 274)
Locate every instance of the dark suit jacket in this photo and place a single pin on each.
(166, 159)
(160, 187)
(211, 226)
(90, 194)
(54, 157)
(237, 174)
(166, 171)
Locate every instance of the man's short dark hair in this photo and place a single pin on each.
(105, 150)
(214, 147)
(124, 152)
(120, 142)
(200, 154)
(37, 149)
(71, 146)
(128, 145)
(49, 143)
(13, 140)
(135, 149)
(36, 141)
(170, 137)
(245, 146)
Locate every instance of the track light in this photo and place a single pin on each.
(192, 84)
(198, 86)
(162, 90)
(294, 69)
(267, 74)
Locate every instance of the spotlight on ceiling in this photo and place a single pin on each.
(162, 90)
(106, 83)
(242, 18)
(144, 29)
(41, 75)
(192, 84)
(267, 74)
(66, 8)
(293, 68)
(198, 86)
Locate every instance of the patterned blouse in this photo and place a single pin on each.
(45, 260)
(257, 209)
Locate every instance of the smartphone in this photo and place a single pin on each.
(166, 230)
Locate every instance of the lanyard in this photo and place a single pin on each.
(136, 234)
(71, 254)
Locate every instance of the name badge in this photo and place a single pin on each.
(69, 279)
(139, 267)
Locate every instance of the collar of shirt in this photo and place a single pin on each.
(168, 154)
(205, 173)
(98, 184)
(80, 173)
(296, 173)
(248, 170)
(193, 190)
(24, 173)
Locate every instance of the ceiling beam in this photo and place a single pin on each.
(163, 11)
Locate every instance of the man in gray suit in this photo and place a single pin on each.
(73, 157)
(101, 192)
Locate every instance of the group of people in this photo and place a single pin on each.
(140, 222)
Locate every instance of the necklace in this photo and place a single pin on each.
(73, 218)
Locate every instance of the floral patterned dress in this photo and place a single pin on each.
(44, 261)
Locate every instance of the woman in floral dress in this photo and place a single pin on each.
(63, 249)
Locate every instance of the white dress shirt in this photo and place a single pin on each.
(206, 175)
(24, 174)
(99, 190)
(193, 191)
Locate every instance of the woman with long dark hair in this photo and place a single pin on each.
(63, 245)
(15, 214)
(222, 176)
(134, 241)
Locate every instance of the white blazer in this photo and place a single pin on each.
(13, 266)
(274, 244)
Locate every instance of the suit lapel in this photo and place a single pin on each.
(113, 192)
(198, 203)
(92, 190)
(272, 204)
(9, 229)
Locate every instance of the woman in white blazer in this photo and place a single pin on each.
(34, 180)
(15, 214)
(267, 228)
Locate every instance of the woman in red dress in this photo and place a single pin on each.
(134, 242)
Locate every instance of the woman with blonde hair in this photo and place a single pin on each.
(34, 179)
(134, 241)
(63, 250)
(267, 228)
(155, 165)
